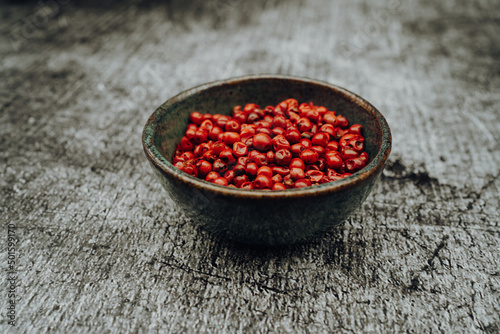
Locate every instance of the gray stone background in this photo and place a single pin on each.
(100, 249)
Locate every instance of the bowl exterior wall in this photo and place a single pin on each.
(260, 221)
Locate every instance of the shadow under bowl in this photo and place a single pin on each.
(261, 217)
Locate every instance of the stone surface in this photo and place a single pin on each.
(101, 249)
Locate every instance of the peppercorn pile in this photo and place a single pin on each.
(278, 147)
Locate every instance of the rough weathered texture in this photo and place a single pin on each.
(101, 249)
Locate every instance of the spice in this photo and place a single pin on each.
(289, 145)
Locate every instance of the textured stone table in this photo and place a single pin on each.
(101, 250)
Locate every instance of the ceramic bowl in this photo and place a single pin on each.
(261, 217)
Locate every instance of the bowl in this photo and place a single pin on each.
(260, 217)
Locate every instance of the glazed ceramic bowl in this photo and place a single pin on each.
(256, 216)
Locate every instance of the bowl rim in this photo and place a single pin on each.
(167, 168)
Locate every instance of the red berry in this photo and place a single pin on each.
(270, 156)
(229, 176)
(321, 139)
(288, 182)
(246, 133)
(232, 126)
(319, 149)
(186, 145)
(355, 142)
(296, 149)
(355, 129)
(264, 124)
(297, 173)
(214, 133)
(260, 159)
(229, 138)
(293, 136)
(306, 142)
(262, 142)
(249, 143)
(278, 186)
(265, 131)
(249, 107)
(204, 167)
(221, 121)
(265, 170)
(322, 110)
(227, 156)
(278, 131)
(364, 156)
(304, 124)
(283, 171)
(190, 169)
(332, 146)
(251, 169)
(329, 118)
(239, 180)
(206, 125)
(315, 175)
(211, 176)
(247, 185)
(253, 117)
(309, 156)
(220, 181)
(302, 183)
(307, 135)
(313, 116)
(312, 167)
(262, 181)
(187, 156)
(240, 117)
(277, 178)
(283, 157)
(342, 122)
(268, 117)
(332, 173)
(280, 142)
(328, 128)
(190, 132)
(279, 110)
(279, 121)
(294, 118)
(321, 163)
(209, 156)
(239, 149)
(353, 165)
(237, 109)
(252, 154)
(219, 166)
(239, 169)
(243, 161)
(201, 149)
(200, 136)
(297, 163)
(348, 153)
(196, 118)
(219, 147)
(333, 160)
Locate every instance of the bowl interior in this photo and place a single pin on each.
(219, 98)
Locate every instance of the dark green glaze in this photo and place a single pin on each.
(256, 216)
